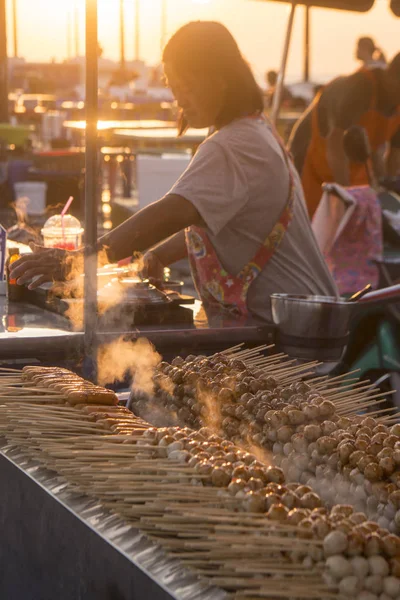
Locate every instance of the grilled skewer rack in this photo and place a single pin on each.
(238, 505)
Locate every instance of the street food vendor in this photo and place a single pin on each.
(369, 98)
(237, 211)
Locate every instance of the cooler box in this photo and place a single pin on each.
(157, 174)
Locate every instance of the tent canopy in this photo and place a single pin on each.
(350, 5)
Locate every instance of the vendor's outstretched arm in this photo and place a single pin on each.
(150, 226)
(171, 250)
(147, 228)
(337, 158)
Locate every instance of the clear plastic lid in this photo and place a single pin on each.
(54, 225)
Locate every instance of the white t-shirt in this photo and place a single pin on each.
(239, 182)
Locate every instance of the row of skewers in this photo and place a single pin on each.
(312, 428)
(210, 503)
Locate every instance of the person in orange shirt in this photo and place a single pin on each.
(369, 98)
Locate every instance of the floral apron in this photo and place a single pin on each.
(216, 287)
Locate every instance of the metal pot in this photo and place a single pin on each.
(311, 327)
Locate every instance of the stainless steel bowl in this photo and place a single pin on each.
(311, 327)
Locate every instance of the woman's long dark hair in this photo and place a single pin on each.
(209, 47)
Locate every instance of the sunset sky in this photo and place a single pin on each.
(258, 27)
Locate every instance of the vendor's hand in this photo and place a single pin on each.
(47, 264)
(152, 267)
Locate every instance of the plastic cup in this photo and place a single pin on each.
(68, 237)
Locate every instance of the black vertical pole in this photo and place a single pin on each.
(307, 11)
(76, 29)
(122, 35)
(276, 103)
(91, 183)
(3, 64)
(69, 34)
(163, 39)
(137, 29)
(15, 28)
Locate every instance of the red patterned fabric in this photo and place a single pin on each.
(355, 245)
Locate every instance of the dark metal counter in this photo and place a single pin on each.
(58, 544)
(27, 331)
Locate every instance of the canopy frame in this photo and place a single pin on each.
(92, 172)
(308, 4)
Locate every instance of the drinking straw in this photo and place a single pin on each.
(63, 212)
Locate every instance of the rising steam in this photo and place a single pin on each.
(121, 357)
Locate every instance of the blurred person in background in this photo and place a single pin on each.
(271, 78)
(369, 98)
(369, 54)
(237, 212)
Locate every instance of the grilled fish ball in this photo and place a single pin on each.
(390, 441)
(335, 543)
(275, 475)
(395, 430)
(387, 465)
(278, 512)
(312, 432)
(368, 422)
(271, 500)
(299, 443)
(254, 484)
(373, 545)
(302, 489)
(357, 518)
(327, 409)
(193, 462)
(289, 499)
(391, 545)
(339, 566)
(230, 457)
(166, 441)
(361, 444)
(355, 457)
(296, 515)
(241, 473)
(378, 566)
(284, 434)
(349, 586)
(311, 412)
(381, 428)
(254, 503)
(326, 444)
(258, 472)
(296, 417)
(397, 519)
(373, 472)
(394, 498)
(391, 587)
(204, 468)
(395, 566)
(321, 528)
(220, 477)
(310, 500)
(342, 509)
(236, 485)
(395, 478)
